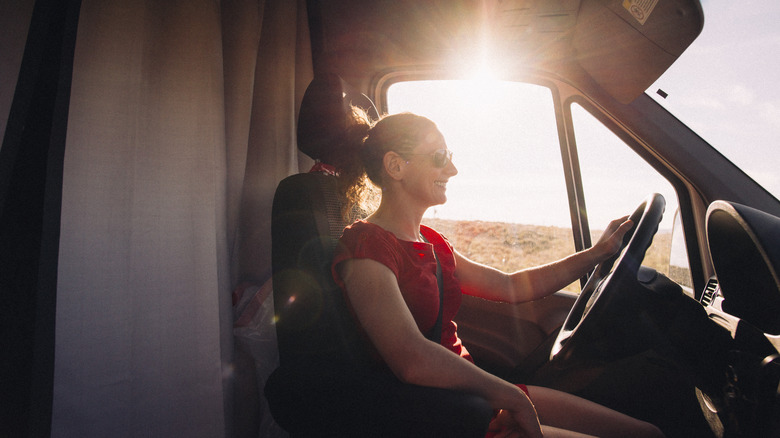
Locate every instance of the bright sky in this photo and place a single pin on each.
(724, 87)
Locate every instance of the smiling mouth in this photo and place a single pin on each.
(442, 184)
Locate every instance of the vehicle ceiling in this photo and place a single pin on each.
(362, 39)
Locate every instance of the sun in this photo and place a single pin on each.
(483, 73)
(481, 87)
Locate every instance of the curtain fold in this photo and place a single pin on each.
(140, 300)
(242, 22)
(267, 65)
(272, 153)
(37, 48)
(182, 121)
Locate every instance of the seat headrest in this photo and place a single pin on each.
(323, 117)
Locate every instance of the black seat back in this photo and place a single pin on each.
(314, 327)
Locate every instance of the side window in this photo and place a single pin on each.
(508, 205)
(616, 180)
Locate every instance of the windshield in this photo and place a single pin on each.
(724, 86)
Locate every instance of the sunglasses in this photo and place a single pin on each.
(441, 157)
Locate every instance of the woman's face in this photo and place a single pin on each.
(428, 171)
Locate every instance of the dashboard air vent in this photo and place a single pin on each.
(709, 292)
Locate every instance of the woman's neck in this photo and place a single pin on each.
(400, 220)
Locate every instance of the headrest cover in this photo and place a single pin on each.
(323, 117)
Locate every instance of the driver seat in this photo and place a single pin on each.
(324, 385)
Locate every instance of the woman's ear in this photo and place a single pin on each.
(394, 165)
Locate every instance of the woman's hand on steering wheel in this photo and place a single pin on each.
(613, 274)
(611, 240)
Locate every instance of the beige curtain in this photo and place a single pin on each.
(181, 124)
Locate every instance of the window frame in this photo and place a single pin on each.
(685, 204)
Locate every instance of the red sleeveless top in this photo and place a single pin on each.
(414, 266)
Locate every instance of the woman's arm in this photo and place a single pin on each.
(537, 282)
(379, 306)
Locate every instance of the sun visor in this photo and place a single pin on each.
(625, 45)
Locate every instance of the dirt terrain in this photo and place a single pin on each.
(510, 247)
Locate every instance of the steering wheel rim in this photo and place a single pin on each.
(618, 269)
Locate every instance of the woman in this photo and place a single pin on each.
(387, 267)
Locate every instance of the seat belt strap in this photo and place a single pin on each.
(435, 334)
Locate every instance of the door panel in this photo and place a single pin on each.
(501, 336)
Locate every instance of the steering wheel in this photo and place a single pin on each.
(605, 284)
